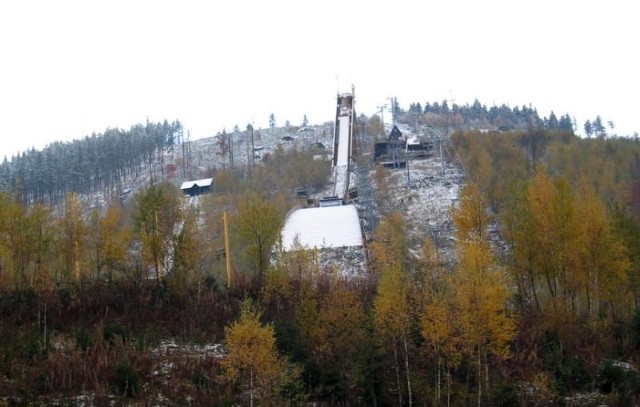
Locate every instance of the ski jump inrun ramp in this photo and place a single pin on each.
(343, 144)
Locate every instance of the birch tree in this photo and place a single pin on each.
(72, 238)
(109, 239)
(158, 213)
(600, 256)
(252, 359)
(258, 224)
(392, 317)
(480, 290)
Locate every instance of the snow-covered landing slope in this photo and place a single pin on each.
(324, 227)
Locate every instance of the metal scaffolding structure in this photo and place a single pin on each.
(366, 200)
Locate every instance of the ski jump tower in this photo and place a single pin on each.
(343, 143)
(333, 229)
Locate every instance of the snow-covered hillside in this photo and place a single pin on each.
(425, 193)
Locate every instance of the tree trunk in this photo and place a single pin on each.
(438, 371)
(251, 388)
(486, 371)
(156, 266)
(260, 266)
(448, 388)
(534, 291)
(397, 368)
(479, 384)
(406, 367)
(596, 294)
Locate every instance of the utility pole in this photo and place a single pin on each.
(381, 110)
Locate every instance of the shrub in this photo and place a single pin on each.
(112, 331)
(128, 380)
(83, 339)
(619, 379)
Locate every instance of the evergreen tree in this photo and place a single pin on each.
(552, 122)
(565, 123)
(588, 128)
(598, 127)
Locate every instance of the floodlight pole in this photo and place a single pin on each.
(381, 110)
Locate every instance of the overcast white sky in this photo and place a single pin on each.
(70, 68)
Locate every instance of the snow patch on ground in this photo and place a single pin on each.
(170, 347)
(341, 178)
(425, 193)
(349, 262)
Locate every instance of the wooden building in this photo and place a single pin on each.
(198, 187)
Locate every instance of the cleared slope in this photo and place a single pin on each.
(325, 227)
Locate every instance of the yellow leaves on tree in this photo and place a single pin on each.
(480, 285)
(390, 245)
(383, 188)
(391, 314)
(333, 326)
(440, 329)
(258, 224)
(392, 317)
(291, 280)
(158, 214)
(480, 289)
(109, 240)
(553, 213)
(252, 355)
(482, 296)
(471, 218)
(73, 232)
(564, 242)
(26, 239)
(185, 272)
(601, 261)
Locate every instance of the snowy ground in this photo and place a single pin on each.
(322, 227)
(425, 196)
(265, 141)
(340, 175)
(426, 192)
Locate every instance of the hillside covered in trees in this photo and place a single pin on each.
(478, 116)
(130, 302)
(98, 163)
